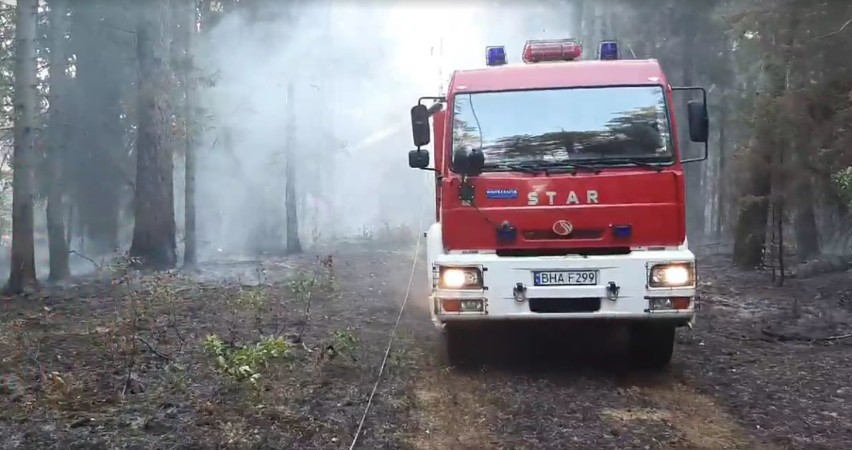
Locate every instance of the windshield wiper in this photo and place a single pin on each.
(510, 168)
(622, 161)
(551, 167)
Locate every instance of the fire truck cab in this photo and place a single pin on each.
(559, 196)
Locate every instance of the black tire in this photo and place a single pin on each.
(651, 346)
(457, 346)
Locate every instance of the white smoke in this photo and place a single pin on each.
(356, 68)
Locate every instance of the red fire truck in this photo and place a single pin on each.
(560, 196)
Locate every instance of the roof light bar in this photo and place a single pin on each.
(552, 50)
(495, 56)
(609, 51)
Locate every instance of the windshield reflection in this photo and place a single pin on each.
(579, 125)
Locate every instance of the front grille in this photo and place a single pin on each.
(565, 305)
(590, 251)
(549, 235)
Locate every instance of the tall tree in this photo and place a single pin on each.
(766, 142)
(190, 234)
(56, 138)
(22, 276)
(97, 163)
(294, 244)
(186, 13)
(154, 230)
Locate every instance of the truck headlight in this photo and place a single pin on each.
(460, 278)
(672, 275)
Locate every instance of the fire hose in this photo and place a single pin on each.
(398, 318)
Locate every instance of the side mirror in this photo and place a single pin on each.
(418, 159)
(699, 121)
(468, 161)
(420, 125)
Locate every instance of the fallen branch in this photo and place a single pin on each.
(837, 338)
(745, 338)
(153, 350)
(305, 319)
(799, 338)
(94, 263)
(848, 22)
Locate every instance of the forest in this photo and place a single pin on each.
(192, 191)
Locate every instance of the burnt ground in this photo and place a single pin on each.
(126, 362)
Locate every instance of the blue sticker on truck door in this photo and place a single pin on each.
(501, 194)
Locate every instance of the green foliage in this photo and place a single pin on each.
(320, 277)
(250, 299)
(345, 342)
(244, 363)
(302, 284)
(842, 181)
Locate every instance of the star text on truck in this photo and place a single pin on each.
(560, 196)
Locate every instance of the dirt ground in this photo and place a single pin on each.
(181, 362)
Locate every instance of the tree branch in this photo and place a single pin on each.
(840, 30)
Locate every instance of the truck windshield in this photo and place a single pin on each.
(592, 126)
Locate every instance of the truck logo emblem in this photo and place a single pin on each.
(563, 227)
(501, 194)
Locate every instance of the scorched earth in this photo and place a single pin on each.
(285, 351)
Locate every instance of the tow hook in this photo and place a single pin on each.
(520, 292)
(612, 291)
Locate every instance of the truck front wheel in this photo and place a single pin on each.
(651, 345)
(457, 346)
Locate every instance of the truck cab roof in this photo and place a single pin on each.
(549, 75)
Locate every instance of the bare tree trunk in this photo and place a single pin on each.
(190, 236)
(693, 172)
(805, 228)
(804, 222)
(293, 243)
(22, 275)
(750, 239)
(96, 179)
(154, 231)
(722, 191)
(56, 138)
(577, 19)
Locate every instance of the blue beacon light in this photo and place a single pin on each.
(622, 231)
(495, 56)
(609, 51)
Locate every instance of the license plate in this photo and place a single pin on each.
(566, 278)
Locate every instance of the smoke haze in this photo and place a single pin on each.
(356, 70)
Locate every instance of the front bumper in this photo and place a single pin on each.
(621, 293)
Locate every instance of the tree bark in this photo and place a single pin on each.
(577, 19)
(750, 239)
(695, 198)
(293, 242)
(190, 237)
(56, 138)
(22, 275)
(97, 175)
(721, 217)
(154, 230)
(805, 228)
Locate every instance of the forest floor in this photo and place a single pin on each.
(181, 362)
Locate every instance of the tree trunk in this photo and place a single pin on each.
(293, 243)
(96, 175)
(56, 138)
(722, 191)
(805, 228)
(577, 19)
(693, 172)
(22, 275)
(804, 221)
(154, 230)
(190, 237)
